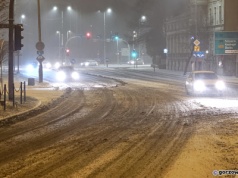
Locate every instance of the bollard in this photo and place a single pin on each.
(21, 93)
(24, 91)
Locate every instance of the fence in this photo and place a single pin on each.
(4, 93)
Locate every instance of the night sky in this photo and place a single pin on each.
(124, 20)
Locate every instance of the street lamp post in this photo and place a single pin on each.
(104, 33)
(68, 34)
(58, 32)
(117, 51)
(10, 49)
(61, 32)
(141, 20)
(134, 36)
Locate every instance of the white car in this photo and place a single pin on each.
(66, 73)
(89, 63)
(204, 82)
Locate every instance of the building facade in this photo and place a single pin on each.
(201, 19)
(180, 33)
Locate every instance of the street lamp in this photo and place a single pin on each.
(141, 21)
(68, 34)
(117, 38)
(134, 36)
(61, 32)
(58, 32)
(109, 10)
(22, 18)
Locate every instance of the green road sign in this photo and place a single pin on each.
(226, 43)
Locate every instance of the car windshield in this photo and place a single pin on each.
(205, 76)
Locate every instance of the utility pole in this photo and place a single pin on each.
(10, 54)
(40, 46)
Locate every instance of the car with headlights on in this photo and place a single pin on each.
(89, 63)
(136, 62)
(66, 73)
(203, 83)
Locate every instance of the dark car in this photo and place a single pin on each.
(65, 73)
(204, 82)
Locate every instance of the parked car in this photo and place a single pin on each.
(136, 62)
(204, 82)
(66, 73)
(89, 63)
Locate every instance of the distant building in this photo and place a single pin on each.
(180, 31)
(201, 19)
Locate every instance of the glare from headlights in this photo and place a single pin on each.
(29, 67)
(199, 86)
(61, 76)
(75, 75)
(48, 65)
(86, 63)
(57, 65)
(220, 85)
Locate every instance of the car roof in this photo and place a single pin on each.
(202, 71)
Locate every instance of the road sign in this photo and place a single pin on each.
(196, 42)
(40, 59)
(40, 46)
(226, 43)
(72, 61)
(199, 54)
(196, 48)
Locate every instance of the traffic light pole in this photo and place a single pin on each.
(10, 57)
(40, 45)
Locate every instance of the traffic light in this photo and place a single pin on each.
(134, 53)
(18, 36)
(88, 35)
(116, 38)
(67, 52)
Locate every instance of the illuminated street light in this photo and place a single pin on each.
(109, 10)
(22, 18)
(143, 18)
(55, 8)
(141, 21)
(58, 32)
(61, 32)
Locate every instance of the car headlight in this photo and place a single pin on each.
(220, 85)
(48, 65)
(57, 65)
(86, 63)
(61, 76)
(75, 75)
(199, 86)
